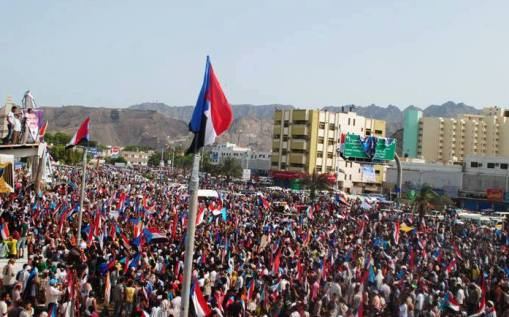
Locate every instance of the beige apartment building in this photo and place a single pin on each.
(450, 140)
(306, 141)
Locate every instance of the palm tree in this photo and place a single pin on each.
(316, 182)
(231, 167)
(424, 198)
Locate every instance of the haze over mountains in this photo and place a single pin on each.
(157, 124)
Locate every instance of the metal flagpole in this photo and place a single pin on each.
(191, 227)
(83, 185)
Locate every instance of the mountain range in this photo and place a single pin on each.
(157, 124)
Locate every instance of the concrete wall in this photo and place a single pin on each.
(478, 183)
(446, 177)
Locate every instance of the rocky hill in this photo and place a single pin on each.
(252, 125)
(157, 124)
(118, 126)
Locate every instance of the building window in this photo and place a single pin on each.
(286, 124)
(329, 155)
(491, 165)
(297, 165)
(329, 169)
(503, 166)
(330, 141)
(348, 121)
(319, 154)
(283, 166)
(322, 125)
(354, 122)
(320, 140)
(274, 163)
(319, 169)
(474, 164)
(377, 171)
(379, 132)
(368, 131)
(285, 138)
(350, 176)
(331, 126)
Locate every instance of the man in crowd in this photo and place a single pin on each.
(334, 256)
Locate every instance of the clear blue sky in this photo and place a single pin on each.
(306, 53)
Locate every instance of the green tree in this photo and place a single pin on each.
(315, 182)
(230, 168)
(137, 148)
(69, 156)
(58, 138)
(423, 200)
(113, 160)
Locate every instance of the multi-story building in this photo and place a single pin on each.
(452, 139)
(136, 157)
(471, 183)
(411, 124)
(306, 141)
(257, 162)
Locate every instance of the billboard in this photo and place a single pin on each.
(368, 174)
(495, 194)
(6, 173)
(369, 148)
(115, 151)
(246, 174)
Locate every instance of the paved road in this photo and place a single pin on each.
(18, 265)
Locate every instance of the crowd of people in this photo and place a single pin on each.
(331, 256)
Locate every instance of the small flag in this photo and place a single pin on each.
(5, 231)
(201, 309)
(42, 130)
(277, 262)
(395, 235)
(200, 215)
(212, 115)
(82, 135)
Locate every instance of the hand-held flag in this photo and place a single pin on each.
(82, 135)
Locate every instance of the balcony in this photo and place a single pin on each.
(300, 115)
(278, 115)
(298, 158)
(300, 129)
(275, 144)
(277, 129)
(299, 145)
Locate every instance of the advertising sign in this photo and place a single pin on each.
(495, 194)
(368, 174)
(115, 151)
(246, 174)
(368, 148)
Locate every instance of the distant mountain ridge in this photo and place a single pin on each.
(157, 124)
(122, 127)
(257, 120)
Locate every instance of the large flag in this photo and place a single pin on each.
(82, 135)
(212, 115)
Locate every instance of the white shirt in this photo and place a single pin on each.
(52, 294)
(17, 124)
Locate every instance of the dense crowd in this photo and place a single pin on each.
(258, 252)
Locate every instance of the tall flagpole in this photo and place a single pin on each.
(83, 185)
(191, 227)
